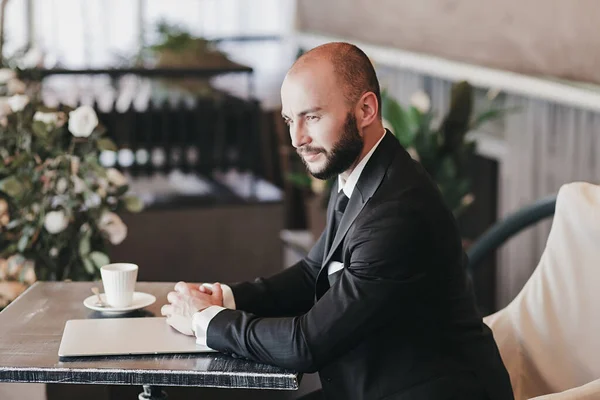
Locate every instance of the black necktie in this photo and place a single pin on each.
(340, 206)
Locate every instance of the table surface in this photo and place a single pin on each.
(31, 330)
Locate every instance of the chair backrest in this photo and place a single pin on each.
(549, 335)
(503, 230)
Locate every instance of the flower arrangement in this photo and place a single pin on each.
(442, 149)
(58, 204)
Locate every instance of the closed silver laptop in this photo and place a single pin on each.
(124, 336)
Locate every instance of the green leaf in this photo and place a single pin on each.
(299, 179)
(11, 186)
(107, 144)
(121, 190)
(88, 265)
(133, 204)
(22, 244)
(491, 115)
(402, 122)
(99, 259)
(40, 129)
(84, 245)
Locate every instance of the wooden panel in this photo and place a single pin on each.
(214, 243)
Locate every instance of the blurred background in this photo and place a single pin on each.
(188, 91)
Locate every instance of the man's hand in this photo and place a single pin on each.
(188, 299)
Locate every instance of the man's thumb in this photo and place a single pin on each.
(217, 293)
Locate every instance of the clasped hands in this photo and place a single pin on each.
(188, 299)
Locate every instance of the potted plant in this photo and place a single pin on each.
(443, 149)
(58, 205)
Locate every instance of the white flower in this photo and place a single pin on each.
(111, 224)
(4, 217)
(4, 107)
(420, 101)
(53, 252)
(6, 75)
(55, 221)
(78, 184)
(46, 118)
(413, 153)
(16, 86)
(93, 200)
(75, 161)
(18, 102)
(115, 177)
(82, 121)
(61, 185)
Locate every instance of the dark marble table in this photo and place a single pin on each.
(31, 330)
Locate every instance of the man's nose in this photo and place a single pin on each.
(298, 135)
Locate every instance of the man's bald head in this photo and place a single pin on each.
(352, 69)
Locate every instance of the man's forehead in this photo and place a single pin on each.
(303, 92)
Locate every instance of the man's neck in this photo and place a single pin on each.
(371, 138)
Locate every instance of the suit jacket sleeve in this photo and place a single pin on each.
(385, 276)
(290, 292)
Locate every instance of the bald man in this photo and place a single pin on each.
(381, 307)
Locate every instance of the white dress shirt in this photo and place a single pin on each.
(201, 319)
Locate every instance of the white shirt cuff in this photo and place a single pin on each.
(228, 299)
(200, 322)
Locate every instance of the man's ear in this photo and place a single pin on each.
(368, 109)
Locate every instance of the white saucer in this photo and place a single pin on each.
(140, 300)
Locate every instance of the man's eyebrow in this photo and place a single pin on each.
(302, 113)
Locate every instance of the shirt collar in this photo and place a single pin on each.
(348, 185)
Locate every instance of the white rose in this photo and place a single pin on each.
(18, 102)
(420, 101)
(61, 185)
(111, 224)
(82, 121)
(93, 200)
(6, 75)
(115, 177)
(55, 221)
(16, 86)
(46, 118)
(78, 184)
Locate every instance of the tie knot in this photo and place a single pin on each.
(341, 202)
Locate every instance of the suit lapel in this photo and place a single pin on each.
(367, 184)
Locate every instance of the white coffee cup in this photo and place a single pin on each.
(119, 280)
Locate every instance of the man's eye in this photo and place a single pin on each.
(312, 117)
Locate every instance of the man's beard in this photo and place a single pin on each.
(344, 153)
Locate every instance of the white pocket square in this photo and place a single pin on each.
(334, 267)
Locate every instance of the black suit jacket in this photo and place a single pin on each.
(397, 322)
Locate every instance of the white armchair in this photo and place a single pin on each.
(549, 335)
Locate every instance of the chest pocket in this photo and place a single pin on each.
(334, 271)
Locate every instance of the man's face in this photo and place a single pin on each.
(322, 126)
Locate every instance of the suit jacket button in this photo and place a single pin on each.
(328, 379)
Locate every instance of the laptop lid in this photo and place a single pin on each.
(124, 336)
